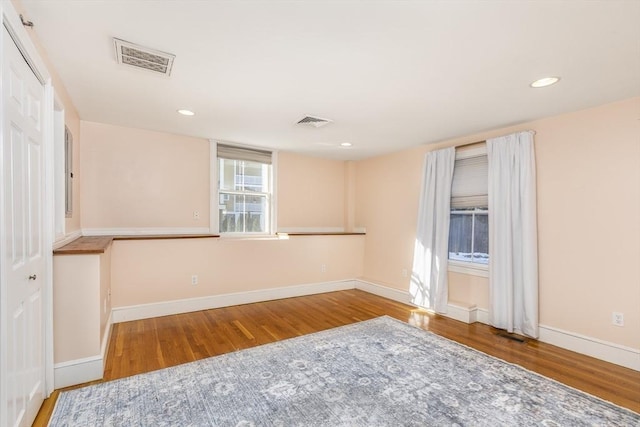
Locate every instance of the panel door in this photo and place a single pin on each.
(22, 230)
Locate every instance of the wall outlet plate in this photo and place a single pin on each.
(617, 319)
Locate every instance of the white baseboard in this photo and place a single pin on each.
(165, 308)
(603, 350)
(383, 291)
(78, 371)
(81, 371)
(144, 231)
(462, 312)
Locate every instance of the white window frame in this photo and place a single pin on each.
(470, 268)
(214, 217)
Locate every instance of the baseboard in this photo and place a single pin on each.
(460, 311)
(78, 371)
(81, 371)
(144, 231)
(603, 350)
(165, 308)
(589, 346)
(383, 291)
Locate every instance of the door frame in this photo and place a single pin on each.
(12, 22)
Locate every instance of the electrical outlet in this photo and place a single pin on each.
(617, 319)
(323, 268)
(196, 214)
(404, 272)
(194, 279)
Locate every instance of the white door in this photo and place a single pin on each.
(22, 229)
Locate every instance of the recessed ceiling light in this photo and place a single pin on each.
(547, 81)
(346, 144)
(186, 112)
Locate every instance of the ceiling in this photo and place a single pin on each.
(390, 74)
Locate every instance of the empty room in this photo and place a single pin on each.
(320, 213)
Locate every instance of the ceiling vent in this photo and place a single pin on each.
(313, 121)
(142, 57)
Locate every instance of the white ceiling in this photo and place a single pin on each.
(390, 74)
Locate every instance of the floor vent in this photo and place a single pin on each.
(144, 58)
(511, 337)
(313, 121)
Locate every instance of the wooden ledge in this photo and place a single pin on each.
(165, 236)
(323, 233)
(98, 244)
(85, 245)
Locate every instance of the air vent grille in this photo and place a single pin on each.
(142, 57)
(313, 121)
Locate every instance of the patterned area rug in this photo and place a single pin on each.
(381, 372)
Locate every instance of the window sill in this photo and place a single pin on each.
(468, 268)
(246, 236)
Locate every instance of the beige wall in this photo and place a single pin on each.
(76, 307)
(311, 192)
(148, 271)
(135, 178)
(588, 208)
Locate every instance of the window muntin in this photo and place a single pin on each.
(244, 196)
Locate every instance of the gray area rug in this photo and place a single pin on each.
(380, 372)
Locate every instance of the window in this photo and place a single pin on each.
(469, 221)
(469, 236)
(244, 190)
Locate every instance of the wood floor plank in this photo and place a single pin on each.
(150, 344)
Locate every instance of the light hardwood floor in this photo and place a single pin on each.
(146, 345)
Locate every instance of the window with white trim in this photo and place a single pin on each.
(469, 221)
(244, 190)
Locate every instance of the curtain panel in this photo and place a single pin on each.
(428, 286)
(513, 237)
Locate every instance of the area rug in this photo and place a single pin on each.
(380, 372)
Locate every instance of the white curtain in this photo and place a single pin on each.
(429, 276)
(513, 237)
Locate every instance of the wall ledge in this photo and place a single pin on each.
(66, 239)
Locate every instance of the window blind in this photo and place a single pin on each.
(242, 153)
(469, 187)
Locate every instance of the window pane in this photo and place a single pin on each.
(242, 213)
(241, 175)
(460, 227)
(481, 239)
